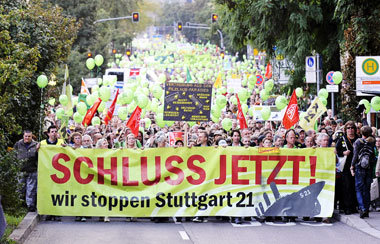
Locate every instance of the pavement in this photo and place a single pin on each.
(370, 226)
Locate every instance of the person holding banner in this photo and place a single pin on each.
(345, 147)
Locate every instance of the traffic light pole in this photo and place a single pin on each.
(110, 19)
(205, 27)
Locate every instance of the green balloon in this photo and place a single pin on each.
(95, 121)
(323, 100)
(268, 86)
(78, 118)
(82, 108)
(63, 100)
(102, 106)
(142, 101)
(367, 105)
(264, 95)
(265, 113)
(157, 91)
(42, 81)
(221, 101)
(243, 95)
(299, 92)
(323, 93)
(233, 100)
(122, 112)
(230, 90)
(280, 102)
(214, 119)
(251, 111)
(60, 113)
(51, 101)
(244, 107)
(69, 112)
(252, 79)
(90, 99)
(375, 103)
(215, 111)
(337, 77)
(160, 120)
(99, 60)
(90, 63)
(227, 124)
(104, 93)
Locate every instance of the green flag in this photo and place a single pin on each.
(188, 76)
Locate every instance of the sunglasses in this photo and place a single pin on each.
(350, 128)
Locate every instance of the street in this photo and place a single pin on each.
(214, 231)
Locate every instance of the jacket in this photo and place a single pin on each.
(28, 155)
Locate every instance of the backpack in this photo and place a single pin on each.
(366, 155)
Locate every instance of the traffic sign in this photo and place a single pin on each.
(311, 64)
(260, 80)
(332, 88)
(370, 66)
(329, 78)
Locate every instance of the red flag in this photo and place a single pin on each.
(240, 115)
(291, 115)
(111, 109)
(268, 72)
(134, 121)
(91, 112)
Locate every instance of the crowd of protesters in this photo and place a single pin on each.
(352, 191)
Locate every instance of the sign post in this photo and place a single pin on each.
(331, 88)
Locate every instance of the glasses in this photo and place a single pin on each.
(350, 128)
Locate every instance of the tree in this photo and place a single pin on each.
(336, 29)
(36, 38)
(360, 25)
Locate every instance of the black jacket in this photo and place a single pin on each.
(344, 145)
(28, 155)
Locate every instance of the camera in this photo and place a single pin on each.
(360, 108)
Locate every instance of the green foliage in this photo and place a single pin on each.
(10, 189)
(297, 29)
(12, 223)
(35, 39)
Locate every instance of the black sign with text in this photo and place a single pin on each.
(187, 101)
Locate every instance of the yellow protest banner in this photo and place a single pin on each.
(198, 181)
(315, 111)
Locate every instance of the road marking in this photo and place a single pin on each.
(184, 235)
(317, 224)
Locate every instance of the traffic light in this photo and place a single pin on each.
(128, 52)
(222, 54)
(135, 17)
(114, 51)
(214, 18)
(89, 55)
(179, 26)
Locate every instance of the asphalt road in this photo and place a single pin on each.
(214, 231)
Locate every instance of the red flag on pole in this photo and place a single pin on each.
(91, 112)
(240, 115)
(134, 121)
(291, 115)
(111, 109)
(268, 72)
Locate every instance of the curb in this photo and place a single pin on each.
(356, 222)
(26, 226)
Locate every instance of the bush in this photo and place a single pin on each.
(10, 188)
